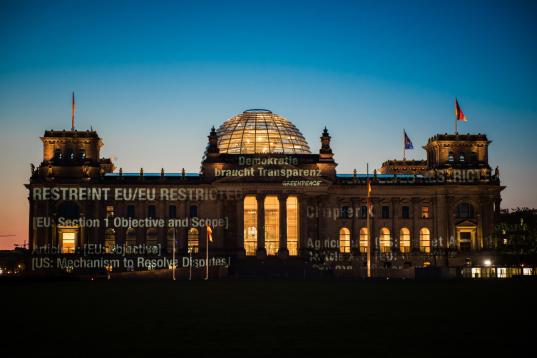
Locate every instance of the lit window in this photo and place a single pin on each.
(404, 240)
(364, 240)
(461, 158)
(385, 240)
(109, 240)
(193, 240)
(344, 240)
(272, 224)
(109, 211)
(424, 212)
(451, 157)
(68, 242)
(292, 225)
(250, 225)
(425, 240)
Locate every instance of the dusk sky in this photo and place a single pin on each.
(152, 78)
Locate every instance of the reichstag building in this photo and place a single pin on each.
(266, 196)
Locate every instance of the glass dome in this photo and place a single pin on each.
(260, 131)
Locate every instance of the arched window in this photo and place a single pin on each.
(385, 240)
(292, 225)
(193, 240)
(131, 237)
(425, 240)
(250, 225)
(109, 240)
(364, 240)
(464, 211)
(404, 240)
(151, 239)
(344, 240)
(461, 158)
(272, 224)
(451, 157)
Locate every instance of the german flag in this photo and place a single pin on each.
(459, 114)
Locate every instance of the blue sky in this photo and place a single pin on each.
(152, 77)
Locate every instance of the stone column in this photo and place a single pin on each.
(239, 243)
(261, 252)
(283, 252)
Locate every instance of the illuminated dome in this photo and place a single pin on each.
(260, 131)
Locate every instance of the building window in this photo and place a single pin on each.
(68, 242)
(364, 240)
(346, 212)
(385, 212)
(152, 211)
(425, 212)
(172, 211)
(109, 240)
(344, 240)
(193, 240)
(404, 240)
(131, 211)
(473, 157)
(405, 212)
(363, 212)
(461, 158)
(385, 240)
(451, 157)
(425, 240)
(109, 211)
(464, 211)
(250, 225)
(292, 225)
(272, 224)
(58, 154)
(465, 241)
(193, 211)
(151, 237)
(82, 154)
(131, 237)
(170, 236)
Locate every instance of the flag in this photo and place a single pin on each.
(210, 233)
(459, 114)
(408, 142)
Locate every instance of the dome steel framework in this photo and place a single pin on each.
(260, 131)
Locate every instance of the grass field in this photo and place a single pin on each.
(268, 318)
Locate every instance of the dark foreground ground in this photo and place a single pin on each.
(268, 318)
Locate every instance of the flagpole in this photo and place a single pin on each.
(173, 261)
(207, 255)
(368, 228)
(404, 146)
(73, 113)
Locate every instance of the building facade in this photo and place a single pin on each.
(265, 196)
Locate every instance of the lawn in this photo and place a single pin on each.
(267, 318)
